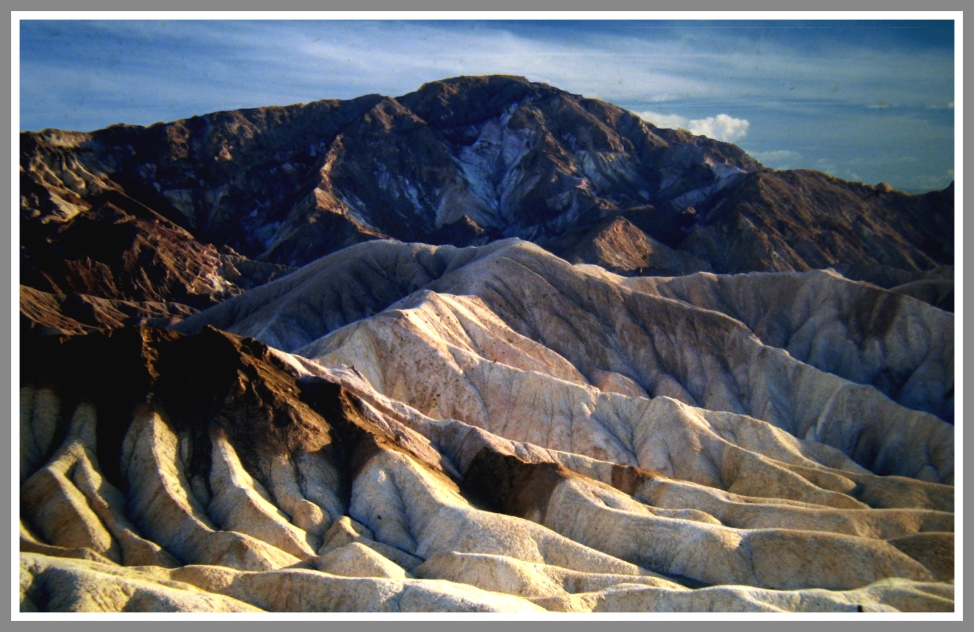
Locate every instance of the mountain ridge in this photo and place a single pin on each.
(464, 161)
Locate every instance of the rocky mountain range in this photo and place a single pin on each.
(488, 346)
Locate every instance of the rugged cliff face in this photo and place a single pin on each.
(238, 395)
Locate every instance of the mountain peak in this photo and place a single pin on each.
(501, 155)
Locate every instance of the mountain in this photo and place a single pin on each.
(463, 161)
(486, 347)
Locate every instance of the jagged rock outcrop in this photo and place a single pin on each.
(494, 429)
(43, 313)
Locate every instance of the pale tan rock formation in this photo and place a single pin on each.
(505, 432)
(516, 296)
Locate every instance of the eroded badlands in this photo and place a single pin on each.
(398, 427)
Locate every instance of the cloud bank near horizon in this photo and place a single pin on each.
(720, 127)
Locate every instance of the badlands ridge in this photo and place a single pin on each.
(494, 429)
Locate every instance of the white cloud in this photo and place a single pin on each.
(720, 127)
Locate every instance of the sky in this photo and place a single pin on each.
(869, 101)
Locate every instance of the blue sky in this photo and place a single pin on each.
(863, 100)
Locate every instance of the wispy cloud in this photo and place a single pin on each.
(772, 86)
(935, 181)
(625, 63)
(670, 121)
(778, 158)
